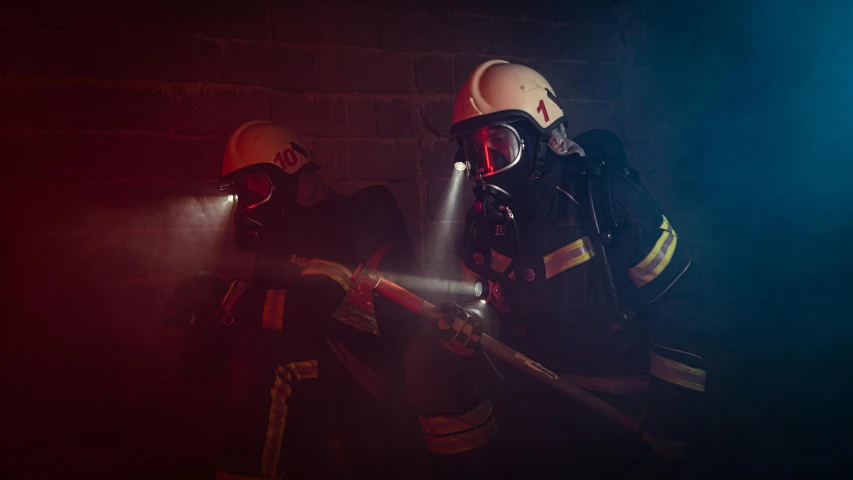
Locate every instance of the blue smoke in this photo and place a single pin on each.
(764, 93)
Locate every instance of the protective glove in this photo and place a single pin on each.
(196, 302)
(460, 329)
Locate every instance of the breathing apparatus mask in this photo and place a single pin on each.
(504, 160)
(500, 162)
(497, 159)
(264, 200)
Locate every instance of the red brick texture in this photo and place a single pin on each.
(115, 117)
(278, 66)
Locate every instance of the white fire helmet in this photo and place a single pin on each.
(262, 142)
(496, 94)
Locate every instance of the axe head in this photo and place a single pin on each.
(357, 308)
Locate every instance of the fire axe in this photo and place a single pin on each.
(357, 309)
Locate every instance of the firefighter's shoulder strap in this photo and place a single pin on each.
(603, 167)
(611, 177)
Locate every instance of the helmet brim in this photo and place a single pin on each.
(506, 116)
(227, 180)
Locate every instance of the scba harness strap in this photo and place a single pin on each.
(599, 199)
(599, 172)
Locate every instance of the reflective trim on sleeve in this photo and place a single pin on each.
(275, 427)
(273, 314)
(280, 392)
(447, 434)
(653, 264)
(500, 262)
(568, 256)
(300, 370)
(677, 373)
(297, 260)
(335, 271)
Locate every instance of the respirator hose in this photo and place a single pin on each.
(488, 212)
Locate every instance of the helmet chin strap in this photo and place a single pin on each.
(539, 163)
(554, 143)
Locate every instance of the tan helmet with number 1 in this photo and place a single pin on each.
(496, 99)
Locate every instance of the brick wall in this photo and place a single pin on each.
(113, 120)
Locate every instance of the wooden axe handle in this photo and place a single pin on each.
(418, 305)
(543, 374)
(406, 299)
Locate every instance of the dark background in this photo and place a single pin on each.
(113, 120)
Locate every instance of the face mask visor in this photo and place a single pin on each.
(251, 190)
(491, 150)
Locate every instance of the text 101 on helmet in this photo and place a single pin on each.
(262, 142)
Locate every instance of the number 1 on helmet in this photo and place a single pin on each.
(541, 109)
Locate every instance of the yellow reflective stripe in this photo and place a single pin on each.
(500, 262)
(568, 256)
(473, 429)
(335, 271)
(273, 314)
(275, 429)
(297, 260)
(657, 260)
(299, 370)
(220, 475)
(677, 373)
(279, 394)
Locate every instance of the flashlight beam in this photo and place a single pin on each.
(445, 213)
(434, 285)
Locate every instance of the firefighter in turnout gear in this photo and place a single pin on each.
(584, 274)
(306, 395)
